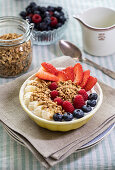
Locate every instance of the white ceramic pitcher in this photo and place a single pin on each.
(98, 31)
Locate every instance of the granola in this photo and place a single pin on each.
(14, 59)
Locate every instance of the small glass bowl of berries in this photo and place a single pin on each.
(50, 22)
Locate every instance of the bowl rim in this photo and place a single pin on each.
(51, 122)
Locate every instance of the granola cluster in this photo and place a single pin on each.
(14, 59)
(67, 90)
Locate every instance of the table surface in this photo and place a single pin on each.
(13, 156)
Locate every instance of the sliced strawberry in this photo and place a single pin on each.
(70, 73)
(42, 74)
(90, 83)
(86, 75)
(62, 76)
(78, 73)
(49, 68)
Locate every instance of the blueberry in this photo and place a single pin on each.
(29, 19)
(32, 4)
(57, 117)
(78, 113)
(47, 20)
(50, 8)
(67, 116)
(43, 9)
(23, 14)
(61, 13)
(93, 96)
(43, 26)
(56, 14)
(92, 103)
(29, 10)
(46, 14)
(59, 8)
(48, 28)
(58, 25)
(86, 108)
(62, 19)
(35, 8)
(37, 12)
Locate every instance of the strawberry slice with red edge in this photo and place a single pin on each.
(86, 75)
(90, 83)
(49, 68)
(70, 73)
(78, 73)
(62, 76)
(42, 74)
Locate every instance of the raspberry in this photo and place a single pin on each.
(68, 107)
(53, 86)
(54, 94)
(36, 18)
(78, 101)
(58, 100)
(84, 94)
(54, 21)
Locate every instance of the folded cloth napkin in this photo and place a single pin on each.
(47, 146)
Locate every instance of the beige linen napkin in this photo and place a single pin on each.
(46, 145)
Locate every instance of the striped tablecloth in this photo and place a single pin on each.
(13, 156)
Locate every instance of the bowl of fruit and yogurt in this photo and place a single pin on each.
(61, 99)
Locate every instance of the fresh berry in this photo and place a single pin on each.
(56, 14)
(37, 12)
(57, 117)
(23, 14)
(43, 26)
(49, 68)
(78, 101)
(78, 73)
(62, 19)
(54, 94)
(32, 4)
(83, 93)
(43, 9)
(67, 116)
(93, 96)
(78, 113)
(36, 18)
(92, 103)
(54, 21)
(68, 107)
(53, 86)
(59, 8)
(70, 73)
(86, 108)
(42, 74)
(58, 100)
(90, 83)
(62, 76)
(47, 20)
(50, 8)
(86, 75)
(29, 10)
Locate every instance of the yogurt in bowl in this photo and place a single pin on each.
(58, 115)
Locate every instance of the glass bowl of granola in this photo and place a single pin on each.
(61, 99)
